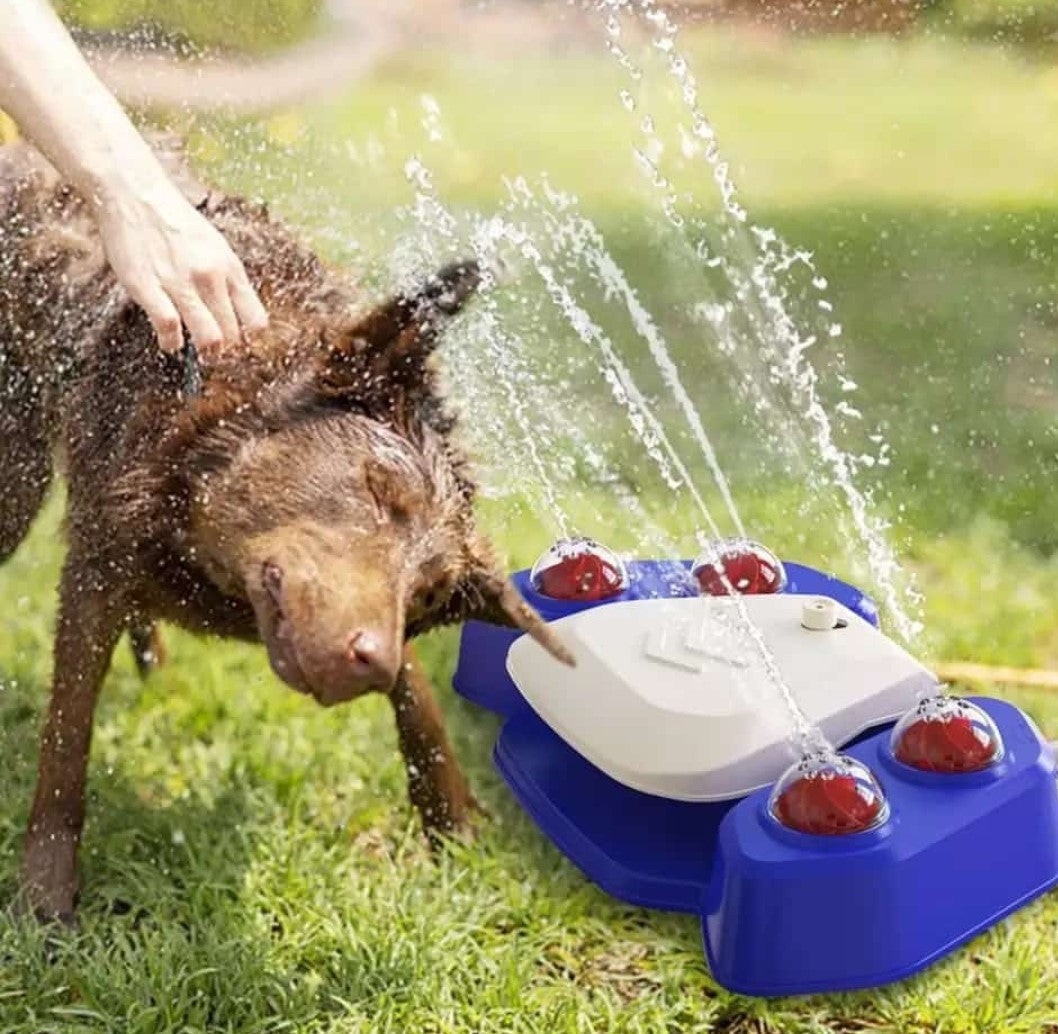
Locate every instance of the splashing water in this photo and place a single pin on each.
(522, 390)
(531, 416)
(434, 220)
(768, 256)
(488, 237)
(584, 238)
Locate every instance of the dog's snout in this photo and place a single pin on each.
(371, 659)
(323, 638)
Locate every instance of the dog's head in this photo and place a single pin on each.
(348, 522)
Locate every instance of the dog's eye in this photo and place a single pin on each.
(272, 581)
(381, 514)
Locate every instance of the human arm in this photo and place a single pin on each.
(169, 258)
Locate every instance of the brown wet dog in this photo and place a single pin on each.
(311, 497)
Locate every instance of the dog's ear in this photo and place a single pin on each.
(486, 594)
(383, 357)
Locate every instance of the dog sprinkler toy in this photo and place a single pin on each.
(660, 765)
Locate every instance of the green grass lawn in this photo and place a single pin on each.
(250, 861)
(251, 864)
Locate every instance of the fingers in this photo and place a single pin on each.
(179, 267)
(163, 316)
(202, 325)
(213, 292)
(252, 314)
(215, 311)
(209, 315)
(220, 308)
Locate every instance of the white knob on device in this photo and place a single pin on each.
(819, 614)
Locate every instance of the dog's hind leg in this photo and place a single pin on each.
(25, 456)
(148, 647)
(436, 783)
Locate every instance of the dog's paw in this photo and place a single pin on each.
(56, 912)
(47, 883)
(456, 820)
(477, 811)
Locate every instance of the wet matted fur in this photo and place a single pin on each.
(312, 496)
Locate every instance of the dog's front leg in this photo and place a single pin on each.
(436, 784)
(90, 621)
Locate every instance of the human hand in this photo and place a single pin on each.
(178, 267)
(168, 257)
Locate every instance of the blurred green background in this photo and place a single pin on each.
(251, 26)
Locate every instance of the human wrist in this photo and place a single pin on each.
(115, 184)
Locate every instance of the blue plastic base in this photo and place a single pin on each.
(642, 849)
(785, 912)
(788, 913)
(481, 672)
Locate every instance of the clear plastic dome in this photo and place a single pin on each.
(579, 569)
(946, 734)
(750, 568)
(830, 795)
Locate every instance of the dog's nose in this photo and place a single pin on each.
(371, 660)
